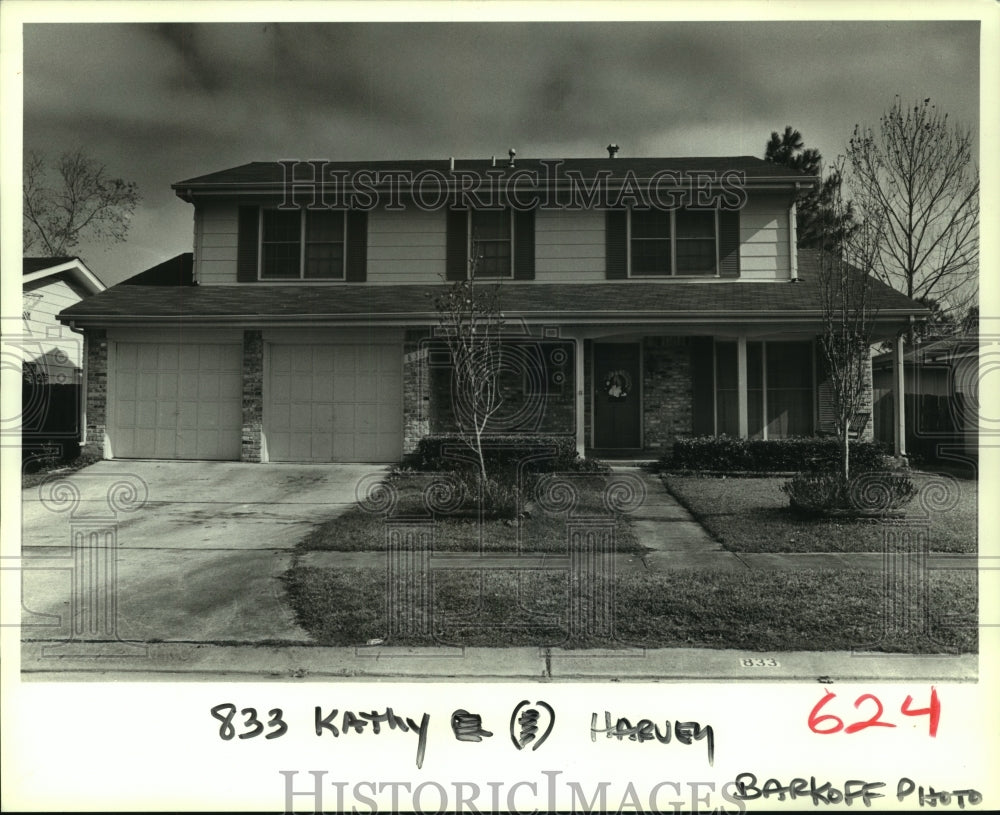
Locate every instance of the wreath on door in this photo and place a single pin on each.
(618, 385)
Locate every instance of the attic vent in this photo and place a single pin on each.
(612, 151)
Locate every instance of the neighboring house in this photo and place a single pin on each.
(51, 354)
(942, 398)
(49, 285)
(308, 334)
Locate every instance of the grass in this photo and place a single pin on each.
(463, 531)
(45, 468)
(818, 610)
(752, 515)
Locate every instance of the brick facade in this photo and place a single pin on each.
(96, 351)
(667, 393)
(251, 434)
(416, 393)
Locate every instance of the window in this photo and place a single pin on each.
(302, 245)
(678, 242)
(491, 240)
(779, 389)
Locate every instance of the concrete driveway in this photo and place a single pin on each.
(199, 552)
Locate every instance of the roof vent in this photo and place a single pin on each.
(612, 151)
(512, 152)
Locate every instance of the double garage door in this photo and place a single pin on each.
(323, 403)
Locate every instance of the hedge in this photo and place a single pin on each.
(778, 455)
(502, 453)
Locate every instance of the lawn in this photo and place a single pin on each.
(752, 515)
(537, 531)
(817, 610)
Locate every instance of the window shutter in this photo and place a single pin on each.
(825, 420)
(524, 245)
(356, 260)
(729, 243)
(457, 245)
(616, 244)
(247, 242)
(702, 387)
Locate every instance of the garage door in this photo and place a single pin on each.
(335, 403)
(177, 401)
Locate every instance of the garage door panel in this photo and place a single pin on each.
(334, 403)
(148, 357)
(177, 401)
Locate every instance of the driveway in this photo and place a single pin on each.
(198, 560)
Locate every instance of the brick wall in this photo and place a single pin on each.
(536, 382)
(96, 349)
(416, 395)
(667, 394)
(253, 396)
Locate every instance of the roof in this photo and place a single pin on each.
(942, 351)
(37, 269)
(353, 303)
(260, 176)
(178, 271)
(32, 265)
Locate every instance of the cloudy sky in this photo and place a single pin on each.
(160, 103)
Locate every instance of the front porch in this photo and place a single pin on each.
(632, 394)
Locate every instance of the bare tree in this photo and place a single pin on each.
(919, 170)
(846, 274)
(472, 326)
(85, 200)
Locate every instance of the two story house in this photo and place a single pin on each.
(643, 299)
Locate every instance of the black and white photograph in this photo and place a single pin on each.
(421, 391)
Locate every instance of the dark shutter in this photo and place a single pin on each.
(247, 240)
(524, 245)
(729, 243)
(702, 387)
(616, 244)
(357, 247)
(826, 422)
(456, 261)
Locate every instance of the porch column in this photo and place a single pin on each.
(581, 436)
(741, 386)
(898, 395)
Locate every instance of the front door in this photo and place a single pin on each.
(617, 413)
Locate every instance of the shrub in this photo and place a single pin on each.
(867, 493)
(776, 455)
(815, 492)
(503, 454)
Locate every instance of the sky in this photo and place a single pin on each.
(160, 103)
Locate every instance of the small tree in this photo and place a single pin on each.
(84, 200)
(845, 270)
(471, 324)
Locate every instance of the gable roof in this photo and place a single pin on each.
(270, 176)
(35, 269)
(177, 271)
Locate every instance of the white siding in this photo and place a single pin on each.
(407, 246)
(764, 238)
(215, 244)
(569, 246)
(52, 346)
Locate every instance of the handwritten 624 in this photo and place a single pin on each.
(828, 723)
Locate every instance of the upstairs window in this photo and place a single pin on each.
(302, 245)
(671, 243)
(491, 241)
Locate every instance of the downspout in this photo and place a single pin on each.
(82, 408)
(793, 253)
